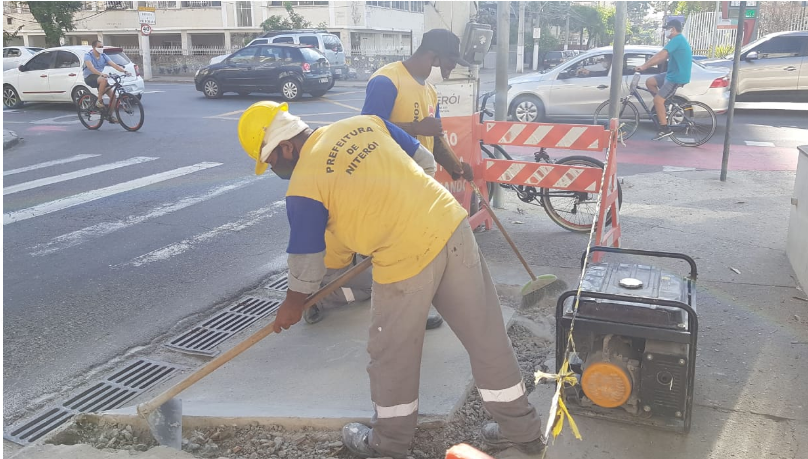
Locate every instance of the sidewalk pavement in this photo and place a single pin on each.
(751, 372)
(10, 139)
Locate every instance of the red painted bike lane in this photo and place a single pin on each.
(708, 156)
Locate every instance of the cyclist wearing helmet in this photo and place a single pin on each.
(94, 63)
(680, 62)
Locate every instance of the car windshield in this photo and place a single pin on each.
(311, 54)
(118, 57)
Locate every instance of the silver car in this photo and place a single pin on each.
(575, 88)
(775, 65)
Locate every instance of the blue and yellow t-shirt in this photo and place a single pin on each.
(680, 60)
(393, 94)
(356, 179)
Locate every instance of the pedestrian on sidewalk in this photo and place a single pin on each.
(398, 92)
(355, 179)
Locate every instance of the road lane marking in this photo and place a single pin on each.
(48, 164)
(326, 99)
(151, 92)
(185, 245)
(94, 195)
(758, 144)
(224, 115)
(83, 235)
(677, 169)
(75, 174)
(72, 119)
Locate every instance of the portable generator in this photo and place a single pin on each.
(635, 342)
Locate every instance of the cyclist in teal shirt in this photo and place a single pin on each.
(680, 62)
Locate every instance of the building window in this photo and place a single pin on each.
(119, 5)
(202, 4)
(243, 14)
(299, 3)
(417, 7)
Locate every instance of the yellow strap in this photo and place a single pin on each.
(558, 410)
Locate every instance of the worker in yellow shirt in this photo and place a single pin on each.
(354, 179)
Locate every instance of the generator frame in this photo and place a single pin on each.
(618, 327)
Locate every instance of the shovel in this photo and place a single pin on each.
(164, 413)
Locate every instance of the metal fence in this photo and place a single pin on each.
(178, 50)
(704, 37)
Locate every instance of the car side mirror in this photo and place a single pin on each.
(564, 75)
(752, 55)
(21, 68)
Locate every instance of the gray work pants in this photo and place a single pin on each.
(458, 284)
(356, 289)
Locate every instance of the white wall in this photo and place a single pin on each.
(797, 243)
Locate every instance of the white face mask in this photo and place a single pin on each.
(100, 50)
(668, 33)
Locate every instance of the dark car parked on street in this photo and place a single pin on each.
(553, 58)
(290, 70)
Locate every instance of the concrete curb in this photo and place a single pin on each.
(10, 139)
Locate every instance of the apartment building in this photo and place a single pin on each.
(366, 28)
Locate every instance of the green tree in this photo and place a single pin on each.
(55, 18)
(294, 21)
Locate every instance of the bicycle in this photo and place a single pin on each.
(683, 117)
(128, 108)
(571, 210)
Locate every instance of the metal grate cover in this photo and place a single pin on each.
(113, 392)
(203, 338)
(280, 284)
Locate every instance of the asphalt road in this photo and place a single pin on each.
(179, 223)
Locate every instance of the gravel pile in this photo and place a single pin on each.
(275, 442)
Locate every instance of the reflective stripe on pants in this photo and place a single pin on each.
(459, 285)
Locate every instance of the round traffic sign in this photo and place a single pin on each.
(145, 29)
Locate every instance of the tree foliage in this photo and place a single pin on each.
(8, 36)
(55, 18)
(294, 21)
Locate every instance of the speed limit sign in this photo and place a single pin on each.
(145, 29)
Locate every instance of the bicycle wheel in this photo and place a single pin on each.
(90, 116)
(129, 111)
(575, 210)
(629, 118)
(692, 123)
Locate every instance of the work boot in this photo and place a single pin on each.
(433, 321)
(356, 437)
(313, 315)
(493, 437)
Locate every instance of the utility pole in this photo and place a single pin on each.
(617, 61)
(567, 29)
(733, 89)
(145, 53)
(520, 40)
(536, 35)
(503, 45)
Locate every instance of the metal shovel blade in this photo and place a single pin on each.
(165, 423)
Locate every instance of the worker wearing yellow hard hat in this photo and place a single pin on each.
(357, 178)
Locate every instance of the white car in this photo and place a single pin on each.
(575, 88)
(13, 56)
(57, 75)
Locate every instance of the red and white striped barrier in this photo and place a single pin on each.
(567, 136)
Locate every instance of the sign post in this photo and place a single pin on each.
(732, 92)
(146, 18)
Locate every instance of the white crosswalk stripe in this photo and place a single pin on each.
(93, 195)
(48, 164)
(83, 235)
(173, 250)
(74, 175)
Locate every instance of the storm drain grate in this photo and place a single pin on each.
(204, 338)
(280, 284)
(110, 393)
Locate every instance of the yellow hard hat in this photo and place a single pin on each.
(252, 127)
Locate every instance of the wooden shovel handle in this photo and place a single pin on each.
(144, 409)
(502, 229)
